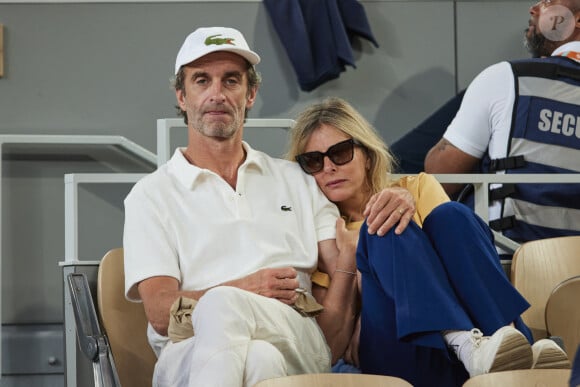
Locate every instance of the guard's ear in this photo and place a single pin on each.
(577, 15)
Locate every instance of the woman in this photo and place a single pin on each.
(437, 286)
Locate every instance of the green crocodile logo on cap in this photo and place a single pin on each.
(218, 41)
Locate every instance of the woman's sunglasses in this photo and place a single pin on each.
(340, 154)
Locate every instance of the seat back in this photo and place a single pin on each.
(537, 267)
(521, 378)
(563, 314)
(334, 380)
(125, 324)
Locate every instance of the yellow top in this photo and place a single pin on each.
(428, 194)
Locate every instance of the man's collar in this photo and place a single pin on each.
(188, 174)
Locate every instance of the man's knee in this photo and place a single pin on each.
(220, 295)
(221, 303)
(264, 361)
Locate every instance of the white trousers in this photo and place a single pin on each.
(240, 339)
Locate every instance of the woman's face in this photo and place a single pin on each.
(342, 184)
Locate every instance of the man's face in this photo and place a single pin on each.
(551, 23)
(216, 95)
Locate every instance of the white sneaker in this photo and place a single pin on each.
(506, 349)
(548, 354)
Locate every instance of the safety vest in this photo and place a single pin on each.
(544, 138)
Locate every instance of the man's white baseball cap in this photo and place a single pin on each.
(211, 39)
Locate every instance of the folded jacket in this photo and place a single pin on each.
(181, 327)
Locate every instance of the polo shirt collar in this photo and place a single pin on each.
(188, 175)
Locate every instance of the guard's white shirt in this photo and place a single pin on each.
(188, 223)
(484, 119)
(485, 116)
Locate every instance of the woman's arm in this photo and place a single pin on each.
(340, 300)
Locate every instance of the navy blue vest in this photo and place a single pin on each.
(544, 138)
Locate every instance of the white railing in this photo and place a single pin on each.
(72, 182)
(166, 126)
(481, 182)
(32, 141)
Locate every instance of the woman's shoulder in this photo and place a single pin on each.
(412, 181)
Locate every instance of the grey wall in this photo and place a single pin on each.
(104, 68)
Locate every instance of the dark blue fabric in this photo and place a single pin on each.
(342, 367)
(446, 276)
(575, 376)
(316, 35)
(355, 20)
(411, 149)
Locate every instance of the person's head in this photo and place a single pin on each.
(214, 71)
(552, 23)
(357, 162)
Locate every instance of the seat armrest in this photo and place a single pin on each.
(87, 323)
(92, 342)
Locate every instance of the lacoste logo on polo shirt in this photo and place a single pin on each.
(218, 41)
(286, 208)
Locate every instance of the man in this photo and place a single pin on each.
(524, 117)
(240, 233)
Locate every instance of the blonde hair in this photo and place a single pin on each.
(339, 114)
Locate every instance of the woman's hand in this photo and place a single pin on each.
(346, 241)
(351, 353)
(386, 208)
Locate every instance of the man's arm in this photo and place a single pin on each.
(444, 157)
(484, 113)
(387, 208)
(159, 293)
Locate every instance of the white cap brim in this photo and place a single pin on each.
(206, 40)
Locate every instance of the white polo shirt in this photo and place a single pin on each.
(484, 119)
(188, 223)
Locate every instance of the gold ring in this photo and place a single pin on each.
(401, 211)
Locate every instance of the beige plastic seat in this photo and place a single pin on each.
(334, 380)
(522, 378)
(125, 324)
(563, 314)
(537, 267)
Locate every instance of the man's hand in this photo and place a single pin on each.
(158, 293)
(387, 208)
(279, 283)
